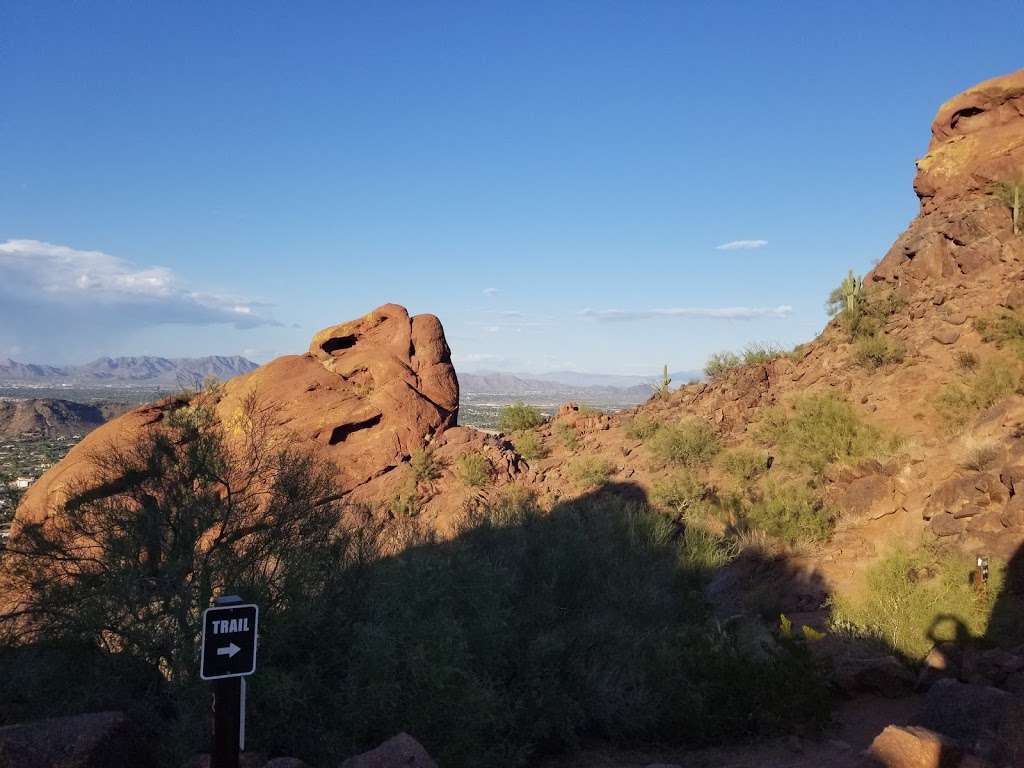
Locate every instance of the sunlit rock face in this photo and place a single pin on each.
(366, 394)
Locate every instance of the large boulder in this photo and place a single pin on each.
(401, 751)
(974, 715)
(96, 740)
(875, 674)
(364, 396)
(867, 498)
(901, 746)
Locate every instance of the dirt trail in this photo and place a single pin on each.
(855, 724)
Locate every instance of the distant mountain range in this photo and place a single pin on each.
(565, 385)
(173, 373)
(616, 380)
(145, 371)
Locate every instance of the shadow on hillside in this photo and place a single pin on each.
(985, 723)
(525, 634)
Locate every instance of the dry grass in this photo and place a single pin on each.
(981, 456)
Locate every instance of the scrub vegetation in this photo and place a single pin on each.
(526, 632)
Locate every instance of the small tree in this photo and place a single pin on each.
(720, 363)
(194, 509)
(1012, 194)
(513, 418)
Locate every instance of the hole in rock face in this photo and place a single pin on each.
(338, 343)
(962, 115)
(340, 434)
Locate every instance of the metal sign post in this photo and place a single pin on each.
(228, 654)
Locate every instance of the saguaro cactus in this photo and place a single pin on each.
(1012, 193)
(665, 381)
(851, 289)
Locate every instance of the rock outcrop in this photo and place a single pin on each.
(976, 143)
(365, 396)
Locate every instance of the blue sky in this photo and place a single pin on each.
(551, 179)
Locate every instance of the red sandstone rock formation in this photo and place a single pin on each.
(365, 395)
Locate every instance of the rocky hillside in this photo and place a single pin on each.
(900, 428)
(49, 418)
(923, 356)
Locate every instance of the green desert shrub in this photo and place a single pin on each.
(720, 363)
(517, 416)
(475, 470)
(876, 351)
(642, 427)
(405, 501)
(913, 599)
(1005, 327)
(761, 353)
(529, 445)
(691, 443)
(798, 353)
(425, 465)
(680, 495)
(566, 434)
(590, 471)
(959, 403)
(744, 464)
(816, 430)
(792, 513)
(705, 548)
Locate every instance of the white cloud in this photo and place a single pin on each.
(59, 278)
(741, 245)
(714, 313)
(475, 357)
(491, 291)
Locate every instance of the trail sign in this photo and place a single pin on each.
(229, 641)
